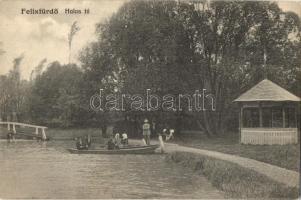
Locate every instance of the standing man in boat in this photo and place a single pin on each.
(146, 131)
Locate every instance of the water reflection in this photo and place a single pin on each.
(46, 170)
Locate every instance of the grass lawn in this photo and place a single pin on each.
(234, 180)
(286, 156)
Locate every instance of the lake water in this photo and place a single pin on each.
(29, 169)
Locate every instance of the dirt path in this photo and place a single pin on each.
(281, 175)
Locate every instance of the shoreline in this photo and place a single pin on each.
(225, 172)
(232, 179)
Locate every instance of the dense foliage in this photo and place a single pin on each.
(171, 48)
(174, 48)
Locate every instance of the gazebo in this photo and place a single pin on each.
(268, 115)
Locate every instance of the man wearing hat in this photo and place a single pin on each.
(146, 131)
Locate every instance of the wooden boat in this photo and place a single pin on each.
(124, 150)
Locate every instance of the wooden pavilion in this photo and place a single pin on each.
(268, 115)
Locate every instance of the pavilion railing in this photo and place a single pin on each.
(269, 136)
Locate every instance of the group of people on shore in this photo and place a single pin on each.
(117, 140)
(120, 140)
(166, 133)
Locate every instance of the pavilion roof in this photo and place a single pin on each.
(266, 90)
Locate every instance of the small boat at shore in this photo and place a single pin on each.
(124, 150)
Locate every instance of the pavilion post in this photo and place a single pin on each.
(241, 117)
(240, 122)
(239, 126)
(272, 125)
(283, 116)
(260, 114)
(296, 108)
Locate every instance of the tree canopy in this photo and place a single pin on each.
(178, 47)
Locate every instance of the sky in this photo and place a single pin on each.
(46, 36)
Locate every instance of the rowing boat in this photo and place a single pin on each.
(124, 150)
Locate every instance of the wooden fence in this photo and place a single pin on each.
(269, 136)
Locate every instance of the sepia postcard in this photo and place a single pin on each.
(150, 99)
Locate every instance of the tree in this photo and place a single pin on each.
(14, 93)
(55, 96)
(16, 96)
(98, 66)
(38, 69)
(73, 30)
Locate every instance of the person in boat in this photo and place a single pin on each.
(13, 136)
(9, 136)
(80, 145)
(89, 140)
(84, 142)
(124, 139)
(146, 132)
(117, 139)
(112, 144)
(77, 143)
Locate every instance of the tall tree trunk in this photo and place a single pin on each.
(204, 124)
(104, 130)
(178, 125)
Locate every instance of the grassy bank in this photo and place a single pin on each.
(234, 180)
(286, 156)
